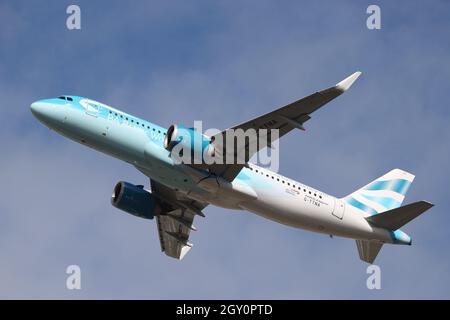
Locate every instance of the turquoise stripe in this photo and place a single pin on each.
(355, 203)
(398, 185)
(388, 203)
(399, 237)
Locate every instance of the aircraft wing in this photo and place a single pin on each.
(287, 118)
(175, 225)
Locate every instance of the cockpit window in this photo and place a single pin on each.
(65, 98)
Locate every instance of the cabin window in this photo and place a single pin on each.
(69, 98)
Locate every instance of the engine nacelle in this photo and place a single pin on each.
(188, 140)
(135, 200)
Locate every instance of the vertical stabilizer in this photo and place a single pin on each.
(382, 194)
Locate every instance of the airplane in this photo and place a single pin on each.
(371, 215)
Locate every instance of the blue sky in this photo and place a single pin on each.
(222, 62)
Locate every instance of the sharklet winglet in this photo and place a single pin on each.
(345, 84)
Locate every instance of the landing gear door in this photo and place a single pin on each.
(339, 208)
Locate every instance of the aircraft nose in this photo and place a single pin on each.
(41, 109)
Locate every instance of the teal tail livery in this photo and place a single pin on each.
(385, 193)
(179, 191)
(380, 202)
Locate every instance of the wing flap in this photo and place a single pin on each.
(175, 225)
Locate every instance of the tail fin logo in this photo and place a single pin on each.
(398, 185)
(385, 193)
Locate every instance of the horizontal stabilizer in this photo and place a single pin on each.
(368, 250)
(396, 218)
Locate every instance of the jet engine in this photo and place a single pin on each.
(180, 140)
(135, 200)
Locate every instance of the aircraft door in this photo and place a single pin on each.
(339, 208)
